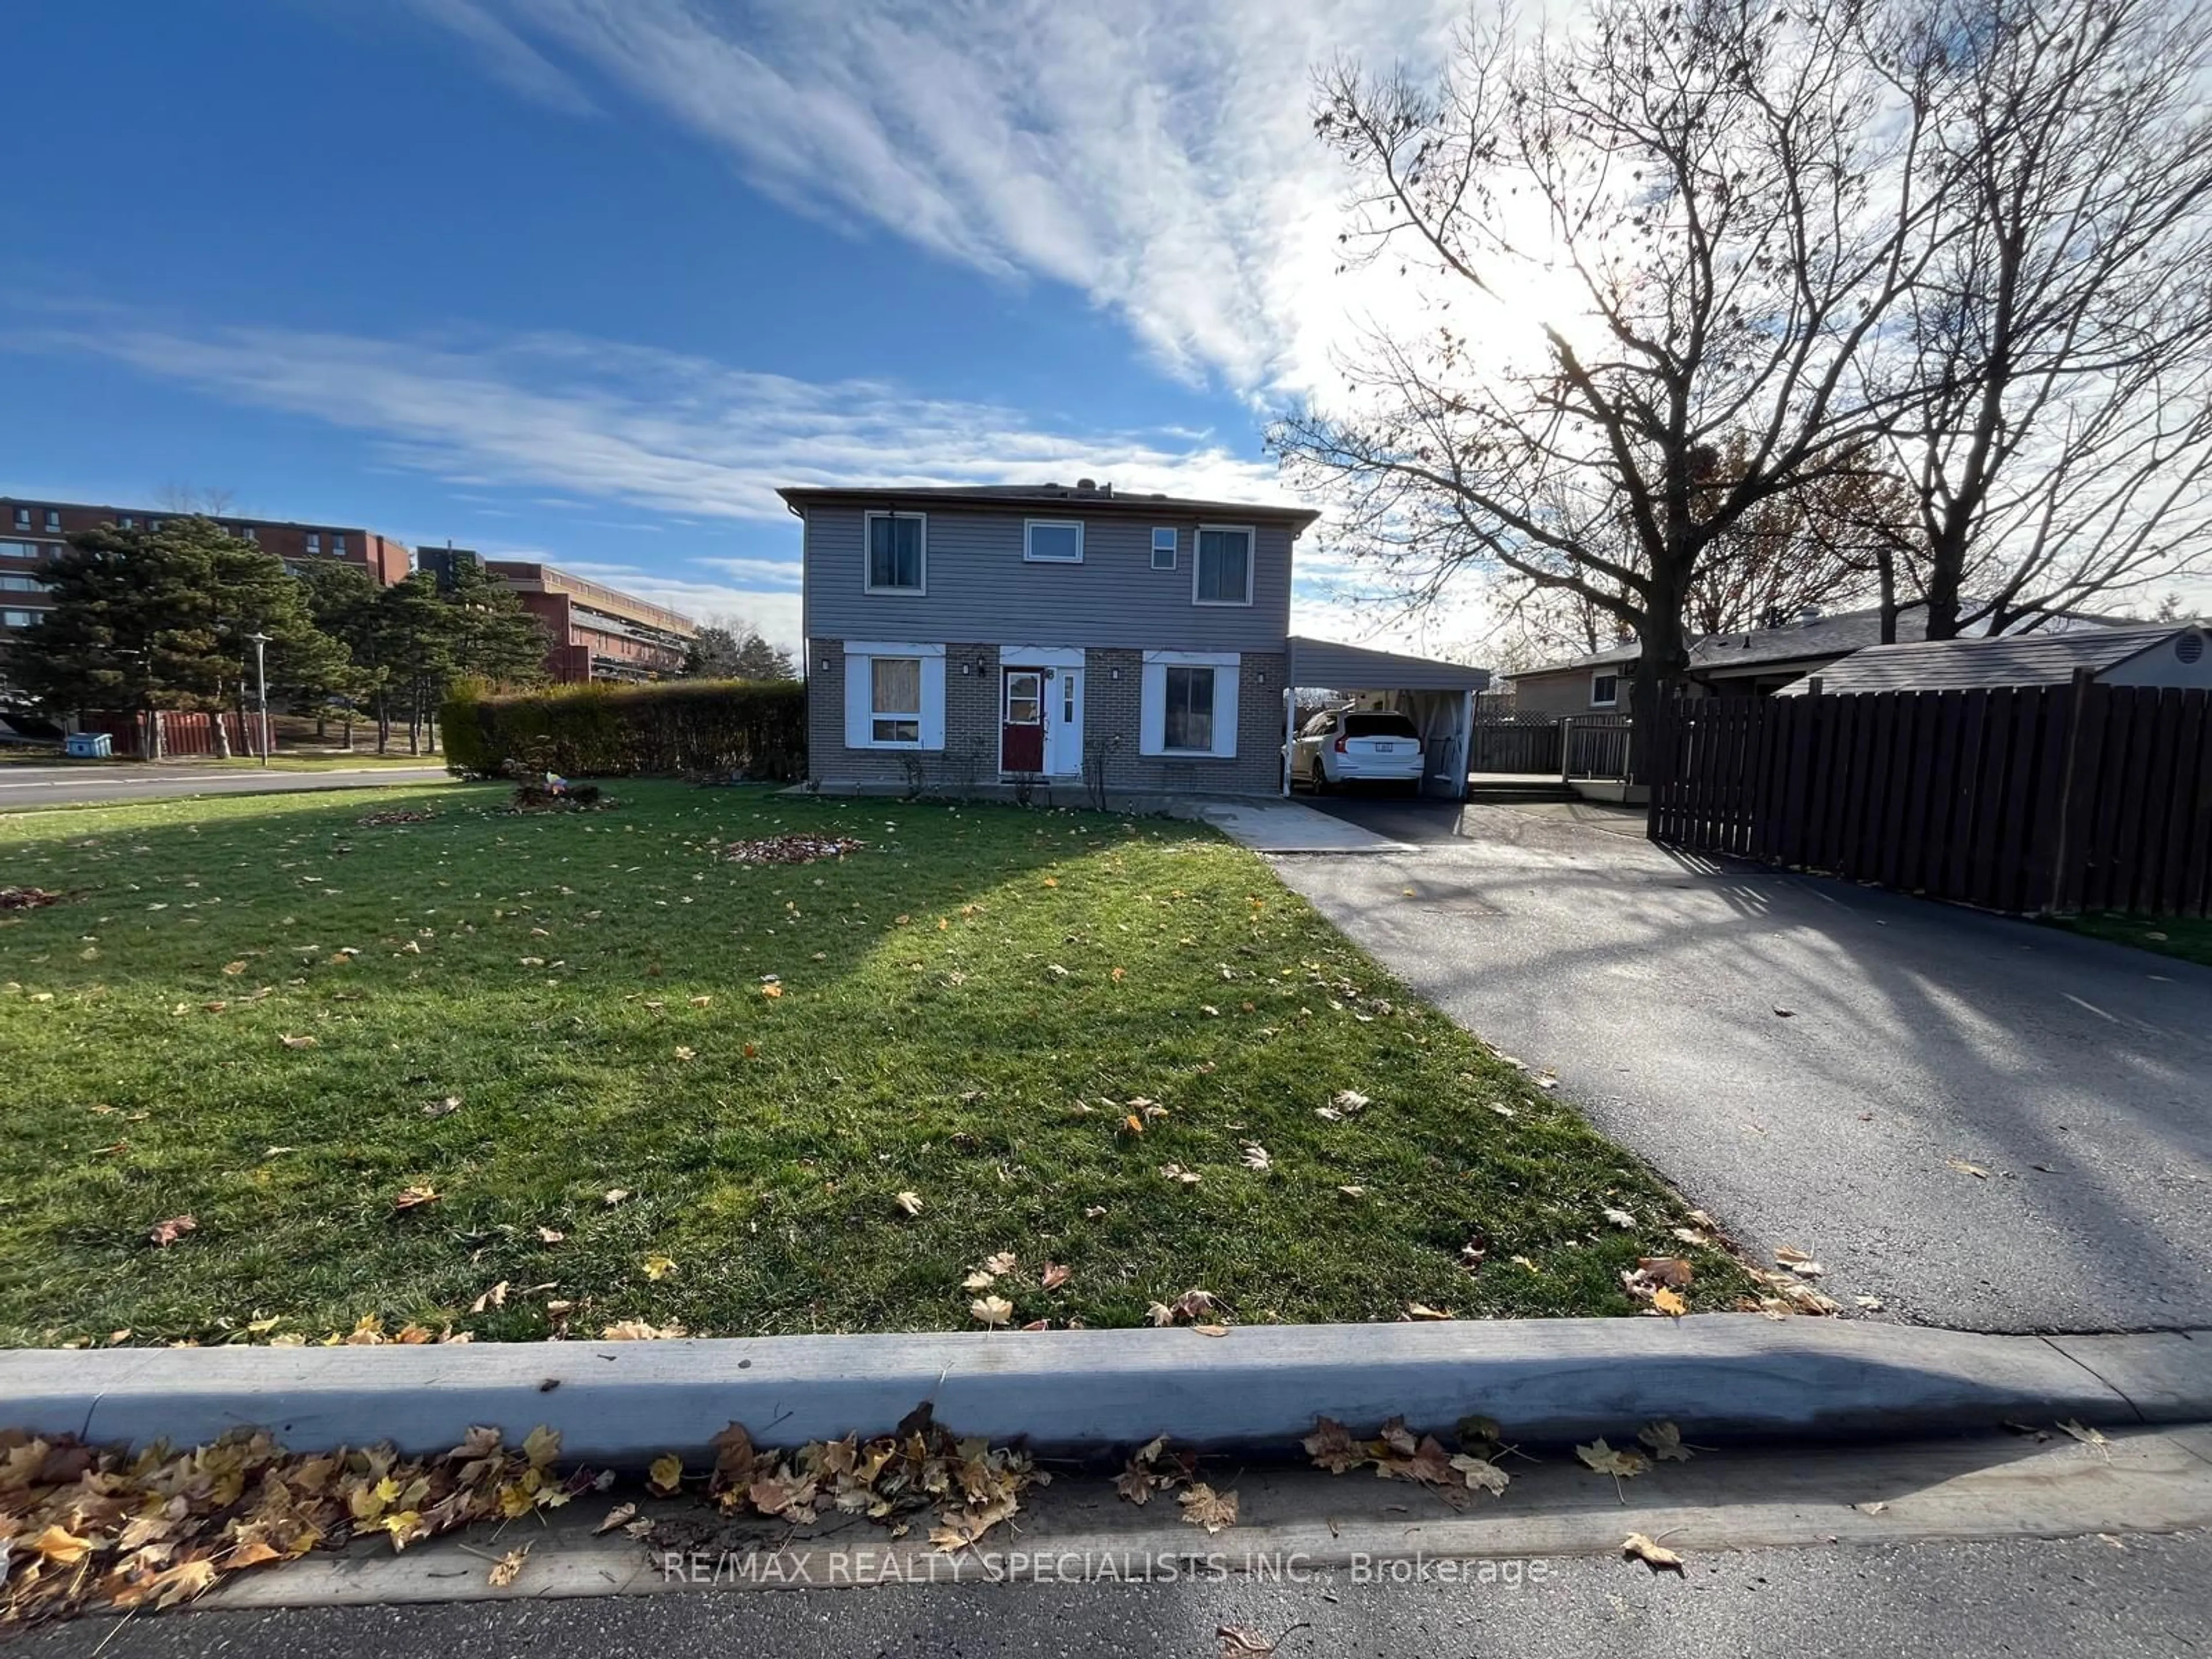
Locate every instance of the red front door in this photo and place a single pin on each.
(1021, 740)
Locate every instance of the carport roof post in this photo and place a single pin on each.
(1354, 668)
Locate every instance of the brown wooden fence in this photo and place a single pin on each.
(2081, 796)
(1514, 743)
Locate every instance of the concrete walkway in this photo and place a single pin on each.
(1289, 826)
(1979, 1123)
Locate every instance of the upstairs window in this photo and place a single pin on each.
(1164, 549)
(1052, 541)
(314, 541)
(897, 552)
(1605, 691)
(22, 518)
(54, 520)
(338, 542)
(1223, 572)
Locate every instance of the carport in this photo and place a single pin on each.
(1438, 697)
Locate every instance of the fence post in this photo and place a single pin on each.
(1566, 748)
(2063, 847)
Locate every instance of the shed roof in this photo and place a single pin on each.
(1355, 668)
(1976, 665)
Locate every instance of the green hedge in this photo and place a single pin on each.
(722, 727)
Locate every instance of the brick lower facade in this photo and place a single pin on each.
(1112, 692)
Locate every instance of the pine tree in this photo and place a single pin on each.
(493, 637)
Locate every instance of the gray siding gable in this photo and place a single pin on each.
(980, 589)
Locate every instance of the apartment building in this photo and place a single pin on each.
(33, 533)
(595, 632)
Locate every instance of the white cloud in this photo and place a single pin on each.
(607, 421)
(1154, 154)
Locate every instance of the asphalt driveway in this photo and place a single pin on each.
(1981, 1123)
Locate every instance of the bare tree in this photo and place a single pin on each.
(1721, 207)
(2061, 332)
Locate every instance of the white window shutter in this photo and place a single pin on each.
(859, 699)
(1153, 710)
(1225, 711)
(932, 702)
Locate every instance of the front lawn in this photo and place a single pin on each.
(2186, 937)
(646, 1083)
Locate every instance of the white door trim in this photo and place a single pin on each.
(1063, 732)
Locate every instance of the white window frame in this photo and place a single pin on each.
(861, 657)
(1173, 550)
(338, 544)
(1030, 556)
(1153, 700)
(53, 521)
(1251, 563)
(22, 518)
(1612, 701)
(315, 543)
(868, 556)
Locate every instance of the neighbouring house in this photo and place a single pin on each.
(978, 639)
(2162, 654)
(1753, 662)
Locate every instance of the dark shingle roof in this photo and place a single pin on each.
(1975, 664)
(1822, 638)
(1099, 498)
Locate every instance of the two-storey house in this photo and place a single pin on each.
(977, 636)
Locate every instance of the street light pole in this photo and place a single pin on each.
(261, 687)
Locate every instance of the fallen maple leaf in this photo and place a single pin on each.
(1202, 1506)
(1056, 1275)
(658, 1267)
(1669, 1303)
(663, 1479)
(771, 991)
(628, 1330)
(683, 1053)
(992, 1309)
(1965, 1167)
(297, 1041)
(1004, 1262)
(909, 1202)
(1620, 1465)
(1654, 1556)
(1481, 1474)
(1671, 1270)
(1620, 1217)
(494, 1297)
(1332, 1447)
(1348, 1101)
(1665, 1441)
(1422, 1310)
(616, 1195)
(166, 1233)
(620, 1516)
(409, 1198)
(508, 1567)
(2087, 1437)
(1256, 1156)
(1242, 1642)
(978, 1281)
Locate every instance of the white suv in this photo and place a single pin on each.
(1352, 746)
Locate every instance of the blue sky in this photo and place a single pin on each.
(586, 279)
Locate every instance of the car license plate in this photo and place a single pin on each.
(1386, 748)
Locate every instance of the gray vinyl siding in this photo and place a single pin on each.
(980, 588)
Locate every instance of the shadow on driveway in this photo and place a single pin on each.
(1977, 1121)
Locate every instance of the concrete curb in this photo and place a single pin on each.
(1722, 1377)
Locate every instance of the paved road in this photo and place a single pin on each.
(58, 786)
(1920, 1037)
(2134, 1598)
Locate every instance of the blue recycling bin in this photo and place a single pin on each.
(89, 745)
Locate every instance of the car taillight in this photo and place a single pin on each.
(1340, 745)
